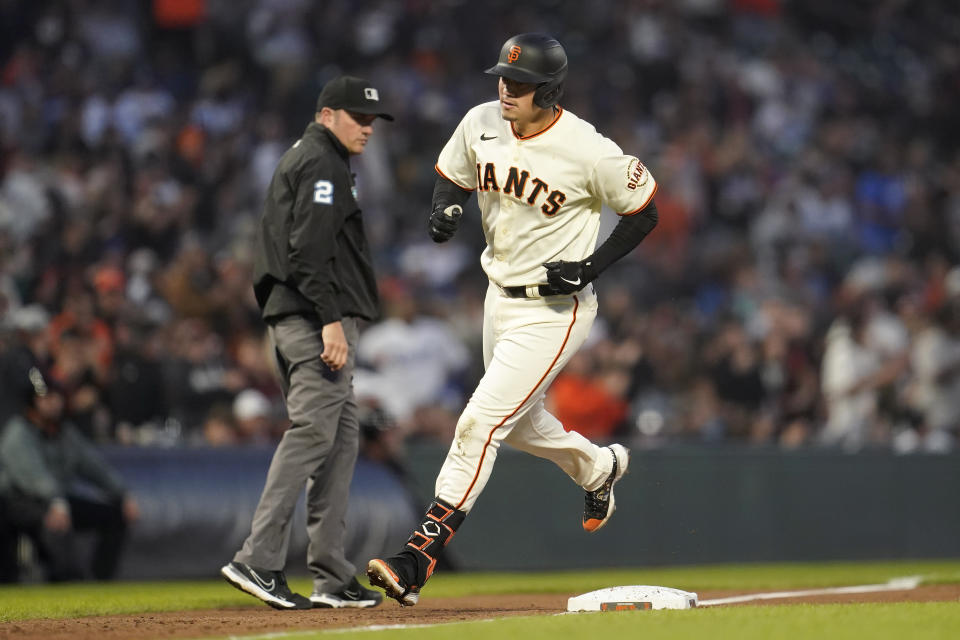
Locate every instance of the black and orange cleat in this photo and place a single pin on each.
(382, 575)
(599, 504)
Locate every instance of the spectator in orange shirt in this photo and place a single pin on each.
(588, 402)
(79, 319)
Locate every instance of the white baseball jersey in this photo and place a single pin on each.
(540, 195)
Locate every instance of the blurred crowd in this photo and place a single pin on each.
(801, 288)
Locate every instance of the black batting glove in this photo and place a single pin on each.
(569, 277)
(444, 222)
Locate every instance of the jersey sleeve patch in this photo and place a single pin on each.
(637, 175)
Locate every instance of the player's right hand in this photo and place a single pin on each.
(444, 222)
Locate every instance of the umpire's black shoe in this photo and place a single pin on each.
(353, 595)
(599, 504)
(269, 586)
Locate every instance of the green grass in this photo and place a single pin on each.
(93, 599)
(894, 621)
(905, 621)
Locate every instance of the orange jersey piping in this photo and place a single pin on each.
(644, 206)
(566, 338)
(544, 130)
(437, 169)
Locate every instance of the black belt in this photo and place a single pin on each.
(520, 291)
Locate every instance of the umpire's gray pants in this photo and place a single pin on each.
(319, 449)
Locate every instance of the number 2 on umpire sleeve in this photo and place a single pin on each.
(323, 192)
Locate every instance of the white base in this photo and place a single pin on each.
(633, 597)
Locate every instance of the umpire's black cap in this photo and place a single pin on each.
(353, 94)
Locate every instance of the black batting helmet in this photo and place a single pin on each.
(534, 58)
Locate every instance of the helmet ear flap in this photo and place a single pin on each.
(548, 94)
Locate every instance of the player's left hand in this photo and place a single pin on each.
(568, 277)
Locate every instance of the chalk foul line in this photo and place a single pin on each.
(894, 584)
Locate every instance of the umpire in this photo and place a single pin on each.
(313, 279)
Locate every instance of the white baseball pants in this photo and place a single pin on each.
(526, 342)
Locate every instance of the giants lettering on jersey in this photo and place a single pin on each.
(516, 185)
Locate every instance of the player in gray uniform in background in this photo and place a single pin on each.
(541, 175)
(314, 280)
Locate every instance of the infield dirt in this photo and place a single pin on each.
(256, 619)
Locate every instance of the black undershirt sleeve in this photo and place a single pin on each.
(446, 193)
(624, 238)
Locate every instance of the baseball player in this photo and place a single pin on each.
(541, 175)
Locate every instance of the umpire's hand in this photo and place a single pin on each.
(444, 222)
(334, 346)
(57, 518)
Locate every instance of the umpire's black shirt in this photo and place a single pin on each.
(312, 255)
